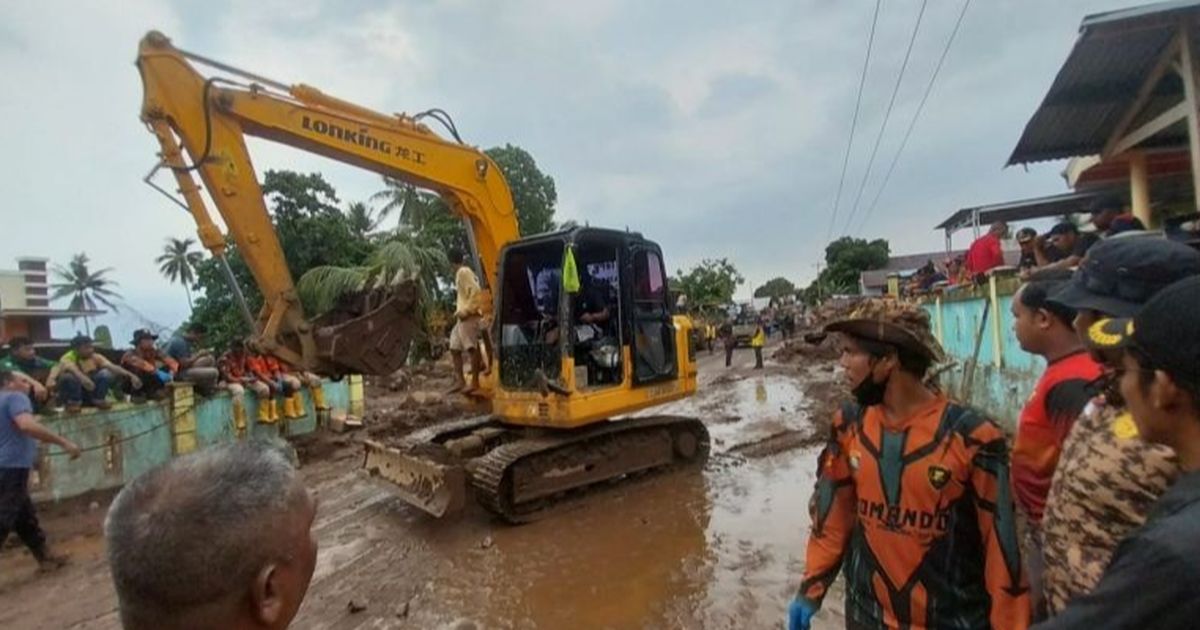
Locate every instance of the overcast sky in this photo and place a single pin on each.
(715, 128)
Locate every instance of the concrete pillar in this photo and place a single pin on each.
(183, 418)
(1139, 187)
(893, 285)
(357, 397)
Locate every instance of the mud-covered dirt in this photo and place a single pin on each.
(718, 548)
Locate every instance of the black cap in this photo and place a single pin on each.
(141, 334)
(78, 341)
(1164, 330)
(1066, 227)
(1119, 275)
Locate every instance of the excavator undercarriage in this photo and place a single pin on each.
(520, 474)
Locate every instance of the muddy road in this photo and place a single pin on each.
(721, 548)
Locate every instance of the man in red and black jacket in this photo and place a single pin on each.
(1044, 328)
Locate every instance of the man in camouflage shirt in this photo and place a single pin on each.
(1107, 478)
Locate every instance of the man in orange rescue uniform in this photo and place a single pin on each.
(913, 494)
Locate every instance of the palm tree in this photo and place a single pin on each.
(398, 198)
(178, 263)
(362, 219)
(86, 288)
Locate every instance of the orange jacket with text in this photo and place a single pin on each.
(919, 513)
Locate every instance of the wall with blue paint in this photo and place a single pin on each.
(129, 439)
(1004, 375)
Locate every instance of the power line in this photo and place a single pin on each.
(886, 116)
(862, 80)
(916, 114)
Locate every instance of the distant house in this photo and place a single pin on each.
(25, 302)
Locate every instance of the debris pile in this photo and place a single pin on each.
(411, 398)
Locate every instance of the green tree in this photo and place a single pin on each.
(85, 287)
(216, 306)
(713, 281)
(178, 264)
(362, 218)
(311, 228)
(533, 192)
(776, 288)
(312, 231)
(428, 218)
(845, 259)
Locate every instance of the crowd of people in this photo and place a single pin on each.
(1089, 519)
(1063, 246)
(85, 377)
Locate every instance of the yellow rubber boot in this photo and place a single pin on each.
(264, 412)
(294, 406)
(273, 410)
(239, 418)
(318, 394)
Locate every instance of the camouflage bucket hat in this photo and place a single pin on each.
(890, 321)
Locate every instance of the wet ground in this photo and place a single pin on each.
(721, 548)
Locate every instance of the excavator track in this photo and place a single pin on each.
(522, 480)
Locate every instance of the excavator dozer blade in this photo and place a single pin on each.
(370, 332)
(439, 489)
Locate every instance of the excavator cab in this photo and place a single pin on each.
(564, 296)
(583, 321)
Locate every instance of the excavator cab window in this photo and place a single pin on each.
(596, 335)
(531, 286)
(653, 329)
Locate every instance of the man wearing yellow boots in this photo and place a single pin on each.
(238, 375)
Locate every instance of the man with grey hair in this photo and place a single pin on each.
(219, 538)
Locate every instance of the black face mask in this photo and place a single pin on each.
(869, 393)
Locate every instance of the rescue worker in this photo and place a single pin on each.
(1045, 328)
(153, 367)
(20, 432)
(83, 376)
(1153, 580)
(710, 335)
(913, 496)
(31, 370)
(757, 342)
(464, 337)
(1107, 479)
(727, 340)
(266, 371)
(293, 405)
(237, 376)
(198, 367)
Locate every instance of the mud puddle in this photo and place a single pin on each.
(720, 549)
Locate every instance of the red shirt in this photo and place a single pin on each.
(985, 254)
(1046, 419)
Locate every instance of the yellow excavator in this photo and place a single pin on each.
(561, 379)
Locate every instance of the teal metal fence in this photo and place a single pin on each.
(1004, 375)
(130, 439)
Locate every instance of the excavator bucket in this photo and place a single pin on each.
(437, 488)
(370, 332)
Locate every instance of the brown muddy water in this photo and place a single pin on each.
(721, 547)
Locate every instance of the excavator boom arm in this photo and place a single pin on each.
(211, 117)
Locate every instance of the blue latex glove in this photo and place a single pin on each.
(800, 614)
(164, 376)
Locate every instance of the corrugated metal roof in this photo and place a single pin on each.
(1023, 210)
(1100, 80)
